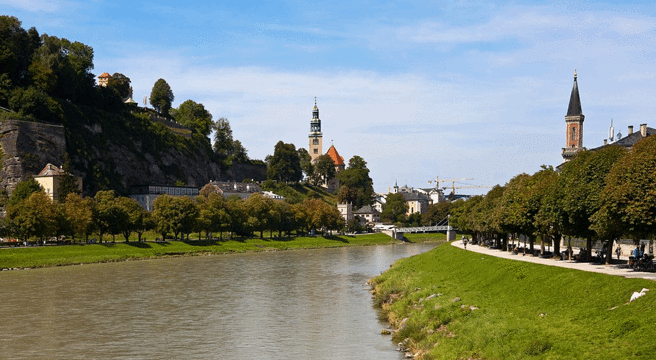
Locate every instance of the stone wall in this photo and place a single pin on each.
(26, 149)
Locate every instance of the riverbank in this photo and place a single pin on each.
(48, 256)
(455, 304)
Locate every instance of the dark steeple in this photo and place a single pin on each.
(574, 108)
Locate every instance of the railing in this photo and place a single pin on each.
(425, 229)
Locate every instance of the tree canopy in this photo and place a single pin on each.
(194, 116)
(161, 97)
(284, 164)
(356, 186)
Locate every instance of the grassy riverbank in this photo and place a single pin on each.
(513, 310)
(44, 256)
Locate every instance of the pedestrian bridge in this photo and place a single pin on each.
(425, 229)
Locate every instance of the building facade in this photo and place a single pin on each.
(573, 124)
(315, 139)
(145, 195)
(50, 179)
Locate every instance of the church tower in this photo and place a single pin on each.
(315, 147)
(574, 124)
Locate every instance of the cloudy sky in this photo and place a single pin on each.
(419, 89)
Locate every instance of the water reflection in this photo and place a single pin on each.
(310, 304)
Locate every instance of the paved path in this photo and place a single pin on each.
(613, 269)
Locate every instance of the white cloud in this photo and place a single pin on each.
(36, 5)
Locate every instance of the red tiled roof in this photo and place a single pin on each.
(104, 75)
(332, 152)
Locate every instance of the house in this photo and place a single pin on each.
(368, 215)
(418, 201)
(346, 211)
(103, 79)
(50, 179)
(145, 195)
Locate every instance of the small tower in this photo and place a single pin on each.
(315, 147)
(103, 79)
(574, 124)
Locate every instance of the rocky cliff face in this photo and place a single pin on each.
(110, 156)
(26, 149)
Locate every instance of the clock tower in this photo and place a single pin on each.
(315, 147)
(574, 124)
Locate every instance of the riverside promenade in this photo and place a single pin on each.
(612, 269)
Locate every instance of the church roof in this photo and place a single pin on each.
(51, 170)
(630, 140)
(574, 108)
(332, 152)
(104, 75)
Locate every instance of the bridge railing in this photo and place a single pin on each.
(425, 229)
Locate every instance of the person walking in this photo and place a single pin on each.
(618, 251)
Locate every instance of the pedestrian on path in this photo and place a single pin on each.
(618, 251)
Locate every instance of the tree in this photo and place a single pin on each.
(436, 213)
(394, 208)
(121, 83)
(161, 97)
(135, 219)
(109, 216)
(306, 162)
(163, 215)
(78, 213)
(324, 170)
(35, 216)
(67, 182)
(356, 187)
(23, 191)
(284, 165)
(36, 104)
(16, 49)
(628, 197)
(321, 215)
(223, 141)
(582, 180)
(194, 116)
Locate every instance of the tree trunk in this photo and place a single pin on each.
(609, 251)
(556, 241)
(589, 249)
(531, 240)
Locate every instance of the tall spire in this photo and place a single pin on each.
(574, 108)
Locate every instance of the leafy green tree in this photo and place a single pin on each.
(324, 170)
(164, 215)
(582, 181)
(35, 216)
(627, 200)
(121, 83)
(260, 213)
(194, 116)
(436, 213)
(321, 215)
(16, 49)
(36, 104)
(23, 191)
(110, 217)
(394, 208)
(306, 162)
(135, 219)
(78, 213)
(356, 186)
(284, 165)
(213, 214)
(67, 182)
(161, 97)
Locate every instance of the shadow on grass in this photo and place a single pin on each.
(203, 242)
(141, 245)
(336, 238)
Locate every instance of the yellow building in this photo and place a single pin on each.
(50, 179)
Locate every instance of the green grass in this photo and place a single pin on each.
(43, 256)
(585, 315)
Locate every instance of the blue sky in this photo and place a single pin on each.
(455, 89)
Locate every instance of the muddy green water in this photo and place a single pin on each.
(309, 304)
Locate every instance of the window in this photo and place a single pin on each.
(315, 141)
(316, 151)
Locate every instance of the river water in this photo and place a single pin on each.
(307, 304)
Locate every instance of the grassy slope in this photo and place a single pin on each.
(579, 321)
(77, 254)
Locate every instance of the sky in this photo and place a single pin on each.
(419, 89)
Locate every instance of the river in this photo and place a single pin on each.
(306, 304)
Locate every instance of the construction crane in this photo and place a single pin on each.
(453, 187)
(438, 180)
